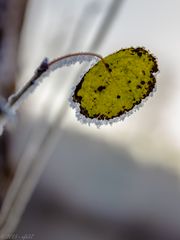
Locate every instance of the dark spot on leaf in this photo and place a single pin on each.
(118, 96)
(108, 68)
(139, 51)
(75, 97)
(84, 111)
(143, 72)
(138, 87)
(101, 88)
(155, 66)
(142, 82)
(120, 113)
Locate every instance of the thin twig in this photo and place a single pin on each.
(40, 70)
(44, 67)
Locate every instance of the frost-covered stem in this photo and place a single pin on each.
(17, 96)
(77, 54)
(16, 99)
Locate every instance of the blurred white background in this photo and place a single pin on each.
(98, 182)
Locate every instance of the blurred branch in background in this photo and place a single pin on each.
(106, 24)
(11, 20)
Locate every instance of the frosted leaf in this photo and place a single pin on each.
(115, 87)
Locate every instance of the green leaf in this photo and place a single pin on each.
(116, 85)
